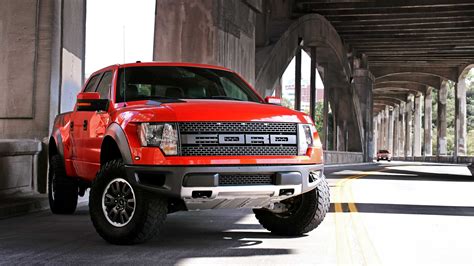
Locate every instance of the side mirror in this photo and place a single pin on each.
(273, 100)
(91, 101)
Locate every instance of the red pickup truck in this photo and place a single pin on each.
(150, 139)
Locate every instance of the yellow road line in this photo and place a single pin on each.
(344, 250)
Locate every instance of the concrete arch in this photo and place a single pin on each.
(431, 81)
(449, 73)
(314, 30)
(396, 98)
(397, 86)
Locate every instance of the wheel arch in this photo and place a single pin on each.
(115, 145)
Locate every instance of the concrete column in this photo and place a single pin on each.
(380, 126)
(460, 147)
(401, 117)
(390, 131)
(408, 128)
(442, 123)
(298, 78)
(417, 127)
(325, 132)
(375, 135)
(387, 128)
(312, 84)
(383, 129)
(211, 32)
(363, 81)
(427, 123)
(396, 129)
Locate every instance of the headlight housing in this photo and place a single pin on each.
(163, 135)
(305, 137)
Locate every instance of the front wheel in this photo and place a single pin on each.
(121, 213)
(304, 213)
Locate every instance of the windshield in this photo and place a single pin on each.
(170, 82)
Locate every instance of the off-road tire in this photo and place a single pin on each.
(306, 216)
(147, 220)
(62, 190)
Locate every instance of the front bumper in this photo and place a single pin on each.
(199, 186)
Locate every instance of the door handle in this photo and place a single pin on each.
(84, 126)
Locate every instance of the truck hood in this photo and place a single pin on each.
(210, 110)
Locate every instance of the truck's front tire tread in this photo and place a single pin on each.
(63, 198)
(149, 217)
(311, 212)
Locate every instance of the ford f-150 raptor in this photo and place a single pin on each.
(150, 139)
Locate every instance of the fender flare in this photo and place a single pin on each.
(56, 136)
(116, 132)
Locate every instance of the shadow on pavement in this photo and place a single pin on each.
(58, 239)
(408, 209)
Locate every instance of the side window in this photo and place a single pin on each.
(91, 84)
(104, 85)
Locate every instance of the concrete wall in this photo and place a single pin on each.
(339, 157)
(220, 32)
(41, 71)
(437, 159)
(33, 49)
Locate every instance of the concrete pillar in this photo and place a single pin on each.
(396, 129)
(362, 83)
(387, 134)
(375, 136)
(382, 130)
(442, 149)
(460, 147)
(408, 126)
(325, 133)
(212, 32)
(417, 126)
(312, 84)
(402, 128)
(298, 78)
(380, 126)
(41, 64)
(390, 131)
(427, 123)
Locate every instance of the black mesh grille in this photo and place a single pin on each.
(245, 179)
(238, 150)
(205, 139)
(236, 127)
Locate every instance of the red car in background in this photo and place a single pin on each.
(384, 155)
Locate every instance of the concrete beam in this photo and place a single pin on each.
(446, 73)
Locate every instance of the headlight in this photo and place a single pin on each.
(162, 135)
(305, 137)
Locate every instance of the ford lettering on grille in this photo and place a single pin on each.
(226, 139)
(238, 138)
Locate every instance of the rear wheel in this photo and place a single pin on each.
(121, 213)
(62, 190)
(304, 213)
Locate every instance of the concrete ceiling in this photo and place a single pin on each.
(420, 33)
(410, 44)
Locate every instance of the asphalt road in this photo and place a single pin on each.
(390, 213)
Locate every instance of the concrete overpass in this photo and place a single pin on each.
(378, 62)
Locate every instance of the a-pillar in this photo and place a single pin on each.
(408, 125)
(417, 126)
(396, 131)
(460, 147)
(441, 146)
(427, 123)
